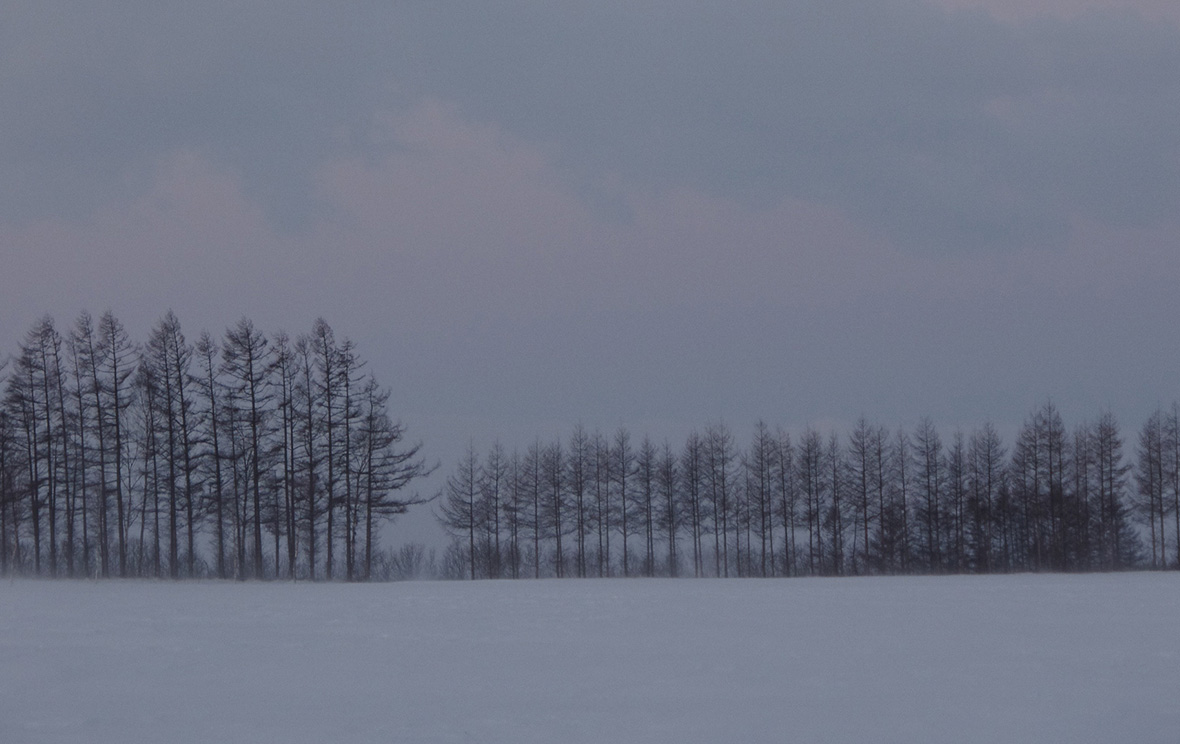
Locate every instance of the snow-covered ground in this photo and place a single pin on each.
(957, 659)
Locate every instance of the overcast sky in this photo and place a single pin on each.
(661, 214)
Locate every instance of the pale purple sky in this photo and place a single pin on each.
(658, 214)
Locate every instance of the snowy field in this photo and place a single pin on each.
(964, 659)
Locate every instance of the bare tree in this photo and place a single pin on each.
(208, 393)
(388, 466)
(514, 513)
(496, 476)
(834, 517)
(814, 486)
(623, 471)
(9, 456)
(603, 511)
(169, 354)
(285, 373)
(645, 468)
(245, 365)
(862, 479)
(553, 512)
(760, 463)
(669, 519)
(898, 525)
(458, 508)
(1117, 542)
(985, 471)
(956, 503)
(1172, 474)
(719, 456)
(579, 466)
(323, 343)
(531, 485)
(118, 358)
(692, 474)
(1149, 478)
(787, 494)
(930, 479)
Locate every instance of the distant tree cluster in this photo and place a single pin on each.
(878, 501)
(234, 457)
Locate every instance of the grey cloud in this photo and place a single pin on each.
(96, 92)
(941, 129)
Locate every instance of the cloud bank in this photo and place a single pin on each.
(941, 129)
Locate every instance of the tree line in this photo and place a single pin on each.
(877, 501)
(239, 456)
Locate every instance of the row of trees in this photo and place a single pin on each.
(243, 456)
(877, 501)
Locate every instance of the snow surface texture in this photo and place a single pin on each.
(955, 659)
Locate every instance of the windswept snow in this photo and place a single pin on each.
(1030, 658)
